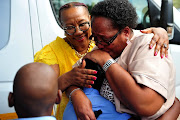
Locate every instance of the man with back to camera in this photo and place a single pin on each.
(35, 90)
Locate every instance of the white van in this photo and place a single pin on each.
(25, 27)
(28, 25)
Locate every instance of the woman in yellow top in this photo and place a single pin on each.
(62, 53)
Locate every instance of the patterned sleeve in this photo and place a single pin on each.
(46, 55)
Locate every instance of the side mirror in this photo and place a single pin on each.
(166, 19)
(162, 17)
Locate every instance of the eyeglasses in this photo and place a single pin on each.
(105, 42)
(70, 30)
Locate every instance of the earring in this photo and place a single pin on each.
(127, 40)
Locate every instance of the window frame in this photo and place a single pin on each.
(6, 23)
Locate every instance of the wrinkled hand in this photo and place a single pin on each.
(79, 76)
(160, 38)
(82, 106)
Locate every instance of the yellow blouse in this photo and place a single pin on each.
(59, 52)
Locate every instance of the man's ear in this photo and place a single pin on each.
(11, 99)
(59, 96)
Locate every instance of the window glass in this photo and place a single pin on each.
(5, 13)
(140, 5)
(142, 12)
(58, 3)
(176, 4)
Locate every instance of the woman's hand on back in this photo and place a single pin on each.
(80, 76)
(160, 39)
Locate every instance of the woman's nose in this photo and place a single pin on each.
(78, 31)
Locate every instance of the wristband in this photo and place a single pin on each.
(108, 64)
(72, 93)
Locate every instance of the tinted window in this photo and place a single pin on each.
(140, 5)
(5, 12)
(56, 4)
(142, 12)
(176, 4)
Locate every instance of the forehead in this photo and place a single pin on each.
(101, 25)
(74, 13)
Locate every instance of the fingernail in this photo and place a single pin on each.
(151, 47)
(89, 86)
(94, 78)
(155, 53)
(162, 56)
(166, 56)
(95, 72)
(142, 31)
(92, 82)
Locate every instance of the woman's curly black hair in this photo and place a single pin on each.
(120, 11)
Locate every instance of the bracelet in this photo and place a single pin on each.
(108, 64)
(72, 93)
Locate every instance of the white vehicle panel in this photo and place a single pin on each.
(48, 24)
(175, 52)
(17, 52)
(35, 30)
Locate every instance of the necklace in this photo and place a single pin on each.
(79, 54)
